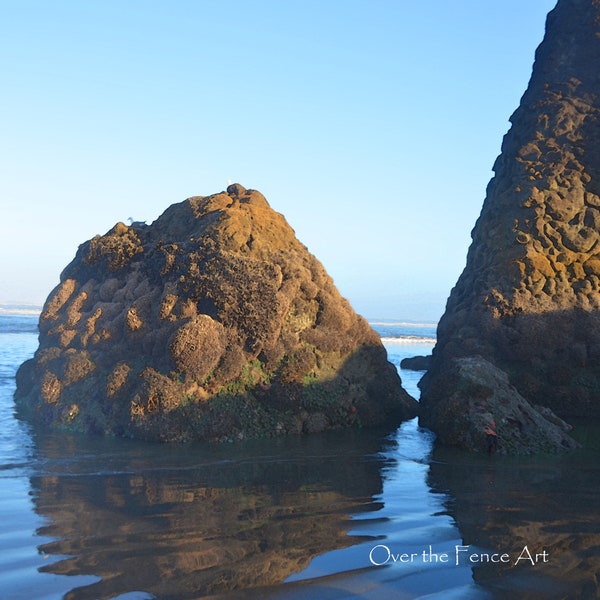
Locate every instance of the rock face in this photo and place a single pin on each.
(528, 299)
(479, 402)
(213, 322)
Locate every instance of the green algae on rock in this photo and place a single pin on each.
(213, 322)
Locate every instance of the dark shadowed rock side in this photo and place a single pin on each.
(214, 322)
(482, 411)
(528, 299)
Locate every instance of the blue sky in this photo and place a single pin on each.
(372, 125)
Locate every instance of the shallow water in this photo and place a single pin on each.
(338, 515)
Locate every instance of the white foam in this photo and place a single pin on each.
(19, 311)
(402, 324)
(409, 339)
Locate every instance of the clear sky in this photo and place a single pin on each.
(372, 125)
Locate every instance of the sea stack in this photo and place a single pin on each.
(214, 322)
(527, 303)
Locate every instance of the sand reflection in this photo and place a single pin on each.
(525, 507)
(189, 522)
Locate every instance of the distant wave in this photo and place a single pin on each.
(409, 339)
(401, 324)
(4, 310)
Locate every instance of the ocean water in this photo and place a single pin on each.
(339, 515)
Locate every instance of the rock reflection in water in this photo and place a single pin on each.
(184, 522)
(502, 504)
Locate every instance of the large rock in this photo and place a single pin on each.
(482, 412)
(528, 299)
(213, 322)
